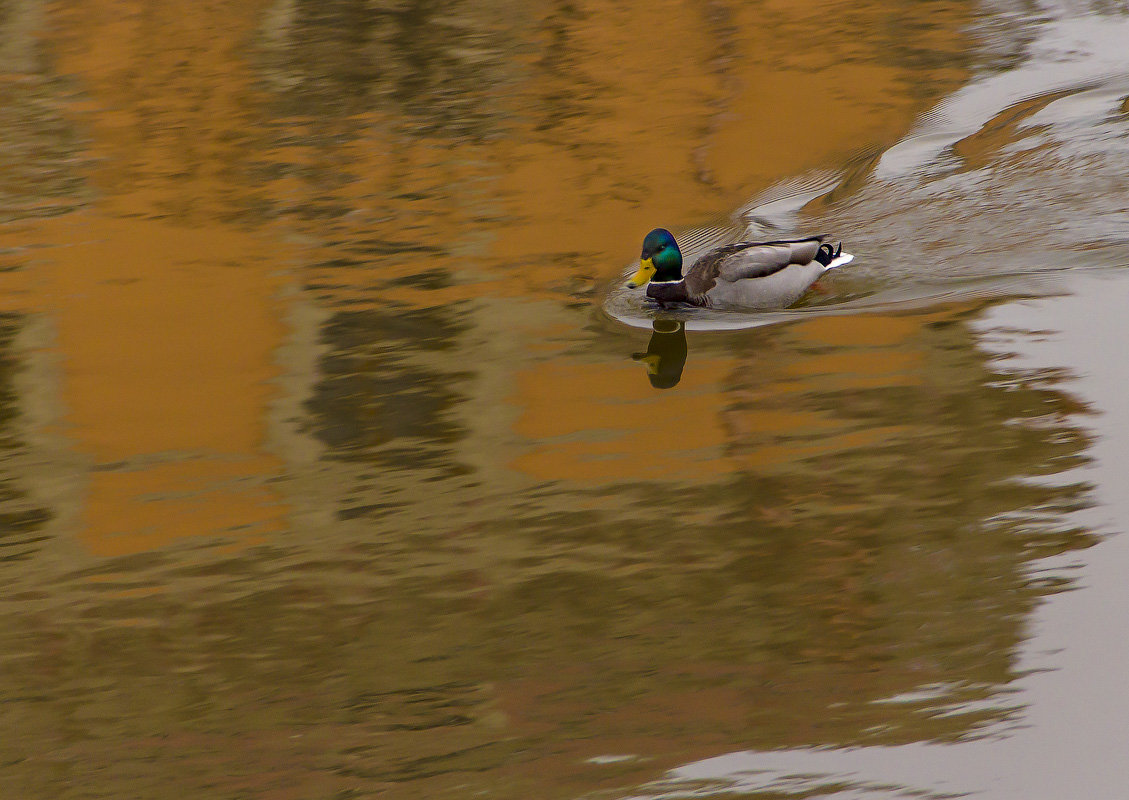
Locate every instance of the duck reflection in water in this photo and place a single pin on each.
(666, 353)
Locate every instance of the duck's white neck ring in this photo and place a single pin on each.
(667, 283)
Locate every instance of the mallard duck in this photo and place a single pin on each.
(743, 275)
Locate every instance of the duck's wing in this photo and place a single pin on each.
(743, 260)
(759, 260)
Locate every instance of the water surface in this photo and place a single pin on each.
(331, 470)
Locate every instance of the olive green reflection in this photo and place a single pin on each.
(22, 520)
(666, 353)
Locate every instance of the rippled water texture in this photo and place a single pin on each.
(338, 463)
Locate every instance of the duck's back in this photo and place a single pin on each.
(756, 274)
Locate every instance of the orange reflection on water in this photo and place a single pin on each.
(604, 422)
(167, 335)
(161, 297)
(145, 508)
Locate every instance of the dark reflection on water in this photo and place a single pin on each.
(665, 356)
(22, 519)
(374, 404)
(442, 66)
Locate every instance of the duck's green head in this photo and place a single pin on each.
(661, 259)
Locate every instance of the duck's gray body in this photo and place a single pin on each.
(754, 275)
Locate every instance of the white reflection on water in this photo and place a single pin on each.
(1070, 55)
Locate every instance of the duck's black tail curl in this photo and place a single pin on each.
(827, 253)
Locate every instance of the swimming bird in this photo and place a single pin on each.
(743, 275)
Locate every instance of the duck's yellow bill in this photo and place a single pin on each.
(651, 362)
(645, 273)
